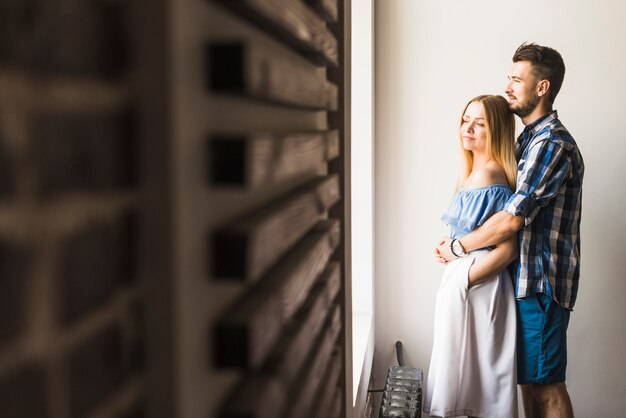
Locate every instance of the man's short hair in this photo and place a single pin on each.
(547, 64)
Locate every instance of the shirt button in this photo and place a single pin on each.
(533, 196)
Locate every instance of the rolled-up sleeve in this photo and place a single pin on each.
(541, 173)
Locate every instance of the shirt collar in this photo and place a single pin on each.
(540, 123)
(532, 128)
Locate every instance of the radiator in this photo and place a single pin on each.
(402, 395)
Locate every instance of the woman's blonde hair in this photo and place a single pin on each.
(500, 125)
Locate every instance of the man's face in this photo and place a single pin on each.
(521, 90)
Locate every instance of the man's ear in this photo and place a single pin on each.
(542, 87)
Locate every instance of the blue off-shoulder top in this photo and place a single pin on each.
(470, 208)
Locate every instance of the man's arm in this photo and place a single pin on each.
(546, 168)
(498, 228)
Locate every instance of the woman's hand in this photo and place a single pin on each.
(439, 256)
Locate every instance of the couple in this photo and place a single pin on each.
(515, 201)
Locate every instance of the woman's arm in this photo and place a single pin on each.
(494, 262)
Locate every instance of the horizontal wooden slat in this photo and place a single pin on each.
(260, 73)
(255, 397)
(303, 400)
(262, 159)
(306, 265)
(334, 282)
(247, 247)
(330, 386)
(287, 359)
(335, 322)
(327, 9)
(335, 410)
(293, 23)
(250, 328)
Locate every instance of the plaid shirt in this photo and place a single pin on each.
(549, 191)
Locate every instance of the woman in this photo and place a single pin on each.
(472, 369)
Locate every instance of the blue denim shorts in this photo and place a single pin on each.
(541, 340)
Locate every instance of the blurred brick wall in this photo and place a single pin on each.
(70, 312)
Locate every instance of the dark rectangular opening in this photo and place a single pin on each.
(227, 161)
(225, 66)
(229, 256)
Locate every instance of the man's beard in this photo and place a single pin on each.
(525, 109)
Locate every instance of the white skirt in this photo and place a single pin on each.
(472, 367)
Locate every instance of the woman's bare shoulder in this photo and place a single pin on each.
(491, 174)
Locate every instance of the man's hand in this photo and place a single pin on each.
(443, 254)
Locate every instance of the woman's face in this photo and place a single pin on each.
(474, 129)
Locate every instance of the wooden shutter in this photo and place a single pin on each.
(275, 167)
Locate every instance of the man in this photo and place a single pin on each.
(545, 212)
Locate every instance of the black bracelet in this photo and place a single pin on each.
(452, 249)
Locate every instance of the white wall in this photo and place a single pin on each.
(431, 57)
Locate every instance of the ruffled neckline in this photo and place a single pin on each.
(490, 186)
(470, 208)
